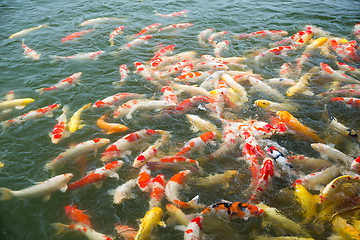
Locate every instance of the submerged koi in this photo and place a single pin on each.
(30, 53)
(63, 84)
(216, 35)
(219, 47)
(182, 13)
(123, 192)
(337, 75)
(134, 43)
(76, 35)
(204, 35)
(263, 33)
(100, 20)
(81, 56)
(79, 227)
(117, 31)
(149, 29)
(26, 31)
(77, 215)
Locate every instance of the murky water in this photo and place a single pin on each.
(25, 148)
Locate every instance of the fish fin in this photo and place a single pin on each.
(111, 192)
(46, 198)
(61, 228)
(64, 188)
(114, 175)
(194, 203)
(98, 184)
(5, 194)
(20, 107)
(162, 224)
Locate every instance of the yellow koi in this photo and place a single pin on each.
(151, 219)
(74, 123)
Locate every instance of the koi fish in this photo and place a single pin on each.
(143, 71)
(220, 46)
(177, 67)
(168, 95)
(176, 216)
(172, 161)
(230, 81)
(337, 75)
(172, 188)
(196, 144)
(43, 189)
(355, 165)
(75, 151)
(347, 100)
(134, 43)
(356, 30)
(59, 131)
(346, 50)
(332, 153)
(123, 192)
(282, 50)
(193, 229)
(267, 172)
(177, 26)
(79, 227)
(307, 201)
(97, 176)
(346, 230)
(299, 128)
(192, 77)
(110, 127)
(144, 178)
(117, 31)
(76, 215)
(63, 84)
(230, 210)
(26, 31)
(74, 123)
(339, 127)
(148, 105)
(312, 163)
(151, 219)
(114, 99)
(280, 159)
(75, 35)
(19, 103)
(216, 35)
(126, 232)
(210, 65)
(221, 178)
(199, 124)
(190, 89)
(191, 103)
(301, 86)
(125, 143)
(149, 29)
(30, 53)
(100, 20)
(204, 35)
(280, 81)
(275, 106)
(123, 70)
(316, 43)
(81, 56)
(35, 114)
(335, 186)
(258, 85)
(262, 33)
(157, 191)
(182, 13)
(346, 68)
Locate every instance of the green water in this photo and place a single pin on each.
(26, 148)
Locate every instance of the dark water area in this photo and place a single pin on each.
(26, 147)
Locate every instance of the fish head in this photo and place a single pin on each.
(262, 103)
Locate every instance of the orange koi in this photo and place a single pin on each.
(110, 128)
(144, 178)
(75, 35)
(126, 232)
(77, 215)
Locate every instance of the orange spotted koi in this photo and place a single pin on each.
(77, 215)
(98, 176)
(63, 84)
(232, 210)
(177, 26)
(35, 114)
(172, 161)
(30, 53)
(115, 99)
(113, 34)
(263, 33)
(281, 50)
(267, 172)
(182, 13)
(76, 35)
(157, 191)
(337, 75)
(197, 143)
(59, 131)
(149, 29)
(144, 179)
(125, 143)
(172, 188)
(347, 100)
(192, 77)
(193, 229)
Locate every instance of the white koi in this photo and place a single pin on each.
(123, 192)
(182, 13)
(177, 26)
(79, 227)
(215, 36)
(81, 56)
(100, 20)
(332, 153)
(26, 31)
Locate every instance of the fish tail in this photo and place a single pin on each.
(193, 203)
(156, 13)
(54, 57)
(61, 228)
(111, 42)
(40, 90)
(45, 25)
(5, 124)
(5, 194)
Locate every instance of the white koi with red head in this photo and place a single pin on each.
(35, 114)
(117, 31)
(81, 56)
(63, 84)
(59, 132)
(43, 189)
(172, 188)
(123, 71)
(143, 71)
(182, 13)
(126, 143)
(219, 47)
(215, 36)
(30, 53)
(98, 176)
(123, 192)
(157, 191)
(114, 99)
(73, 152)
(194, 229)
(149, 105)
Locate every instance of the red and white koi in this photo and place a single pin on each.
(168, 162)
(143, 71)
(178, 67)
(28, 30)
(135, 43)
(356, 30)
(98, 176)
(230, 210)
(355, 165)
(220, 47)
(182, 13)
(267, 172)
(166, 60)
(79, 227)
(194, 229)
(123, 70)
(191, 103)
(346, 50)
(100, 20)
(123, 192)
(192, 77)
(286, 70)
(172, 188)
(197, 143)
(76, 35)
(30, 53)
(144, 178)
(177, 26)
(35, 114)
(313, 181)
(311, 163)
(117, 31)
(73, 152)
(347, 100)
(81, 56)
(169, 95)
(157, 191)
(149, 29)
(59, 131)
(335, 186)
(207, 65)
(337, 75)
(346, 68)
(63, 84)
(124, 144)
(115, 99)
(156, 59)
(282, 50)
(43, 189)
(76, 215)
(263, 33)
(216, 35)
(332, 153)
(204, 35)
(304, 38)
